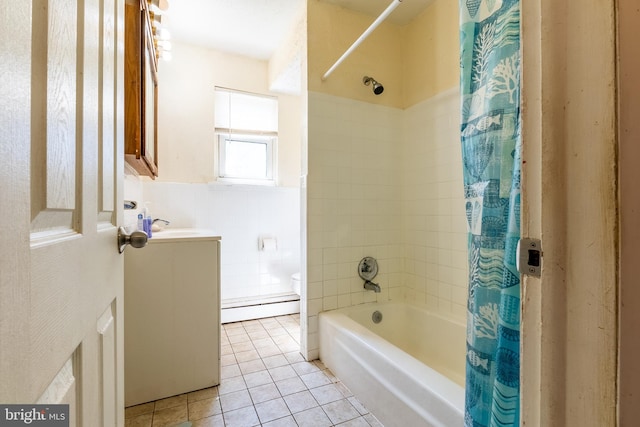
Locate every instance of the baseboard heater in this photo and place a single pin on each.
(237, 311)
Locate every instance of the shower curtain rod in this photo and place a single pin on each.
(378, 21)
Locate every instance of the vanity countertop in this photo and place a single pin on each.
(183, 234)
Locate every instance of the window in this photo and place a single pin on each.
(246, 126)
(245, 157)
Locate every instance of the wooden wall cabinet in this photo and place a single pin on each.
(141, 90)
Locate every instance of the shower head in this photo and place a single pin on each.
(377, 87)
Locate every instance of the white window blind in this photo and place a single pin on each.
(242, 112)
(247, 129)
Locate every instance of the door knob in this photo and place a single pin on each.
(137, 239)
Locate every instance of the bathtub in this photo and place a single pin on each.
(408, 370)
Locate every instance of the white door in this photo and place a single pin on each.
(61, 168)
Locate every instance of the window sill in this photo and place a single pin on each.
(242, 181)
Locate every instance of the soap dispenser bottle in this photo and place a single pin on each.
(147, 221)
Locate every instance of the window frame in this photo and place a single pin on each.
(270, 141)
(254, 133)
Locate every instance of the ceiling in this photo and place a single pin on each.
(255, 28)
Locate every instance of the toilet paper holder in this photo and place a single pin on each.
(267, 244)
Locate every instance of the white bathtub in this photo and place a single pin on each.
(408, 370)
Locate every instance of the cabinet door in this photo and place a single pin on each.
(141, 95)
(172, 332)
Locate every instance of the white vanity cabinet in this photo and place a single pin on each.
(172, 315)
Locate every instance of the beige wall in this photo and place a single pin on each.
(413, 62)
(331, 30)
(186, 110)
(431, 52)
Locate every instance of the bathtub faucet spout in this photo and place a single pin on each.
(372, 286)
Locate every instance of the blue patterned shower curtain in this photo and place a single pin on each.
(491, 146)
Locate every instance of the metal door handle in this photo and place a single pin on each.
(137, 239)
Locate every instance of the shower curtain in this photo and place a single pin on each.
(491, 145)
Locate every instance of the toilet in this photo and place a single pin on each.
(295, 282)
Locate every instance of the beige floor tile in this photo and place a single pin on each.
(290, 386)
(303, 368)
(283, 339)
(282, 373)
(330, 375)
(263, 342)
(239, 347)
(294, 357)
(235, 400)
(343, 389)
(245, 417)
(315, 379)
(264, 392)
(229, 371)
(204, 408)
(214, 421)
(270, 350)
(243, 337)
(326, 394)
(314, 417)
(340, 411)
(282, 422)
(301, 401)
(205, 393)
(245, 356)
(234, 329)
(359, 406)
(270, 323)
(253, 327)
(227, 359)
(279, 330)
(286, 348)
(170, 402)
(143, 420)
(258, 378)
(294, 331)
(356, 422)
(373, 421)
(251, 322)
(134, 411)
(252, 366)
(264, 381)
(258, 334)
(272, 410)
(319, 364)
(275, 361)
(231, 385)
(170, 416)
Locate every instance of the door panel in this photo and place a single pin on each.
(61, 169)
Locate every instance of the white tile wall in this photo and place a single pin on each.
(434, 221)
(354, 203)
(241, 215)
(132, 191)
(386, 183)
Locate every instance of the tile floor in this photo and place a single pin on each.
(265, 381)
